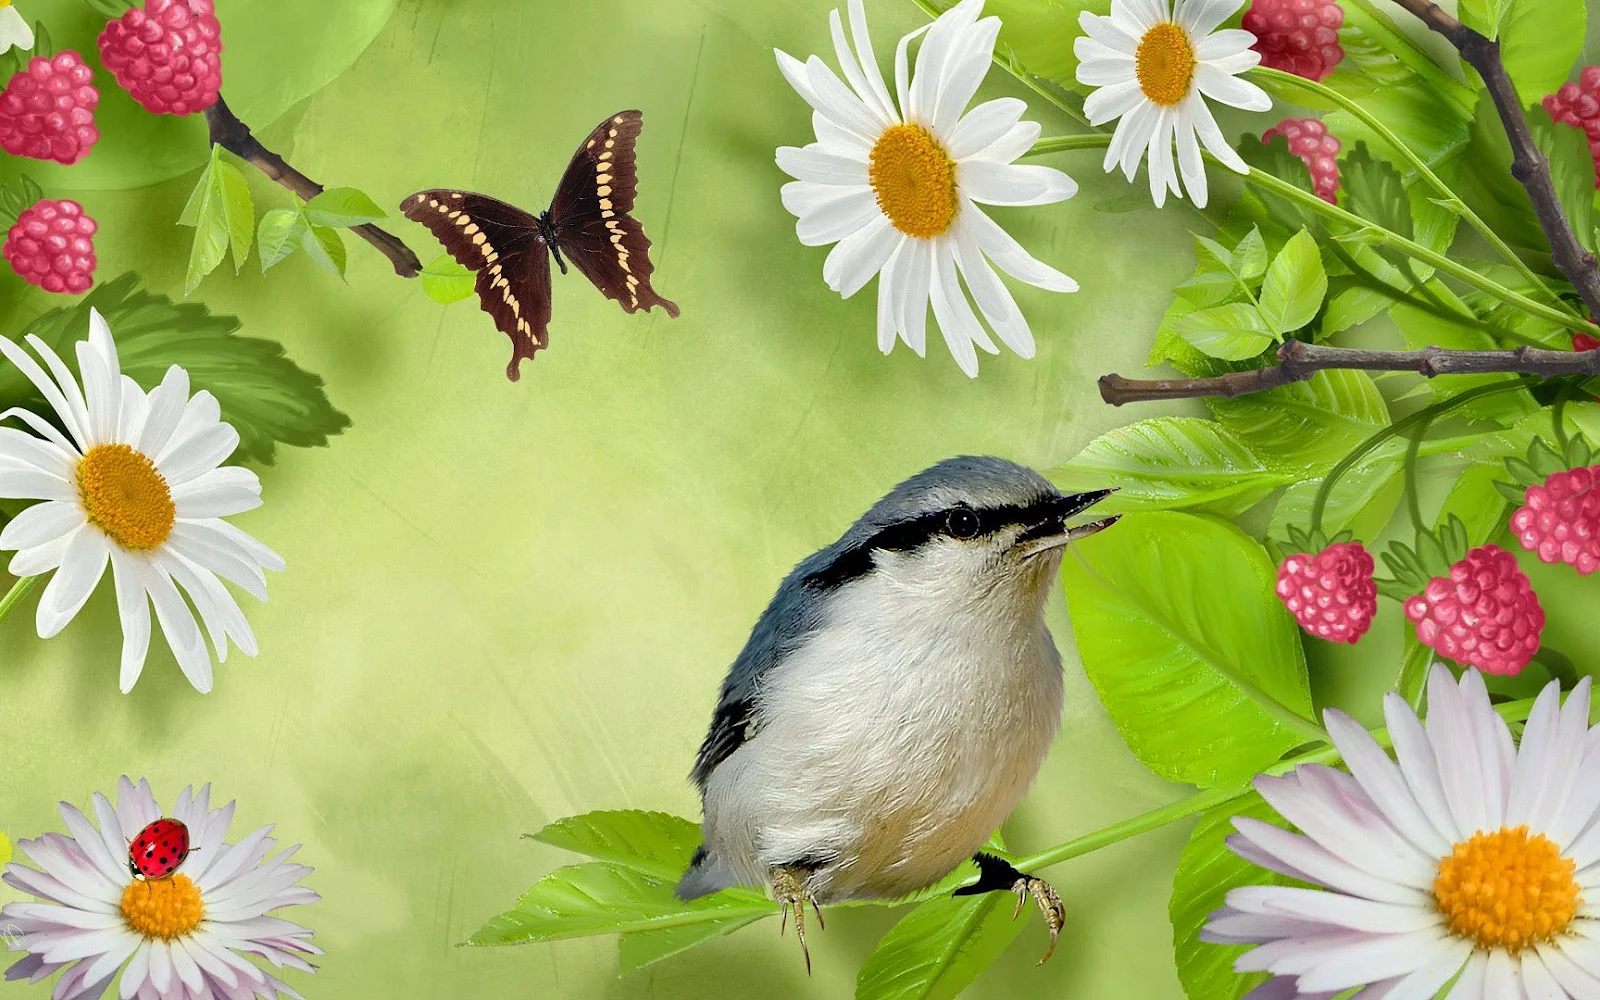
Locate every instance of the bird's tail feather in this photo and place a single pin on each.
(707, 874)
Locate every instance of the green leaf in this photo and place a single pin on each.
(1474, 502)
(1539, 40)
(280, 234)
(1207, 870)
(1362, 502)
(446, 281)
(654, 843)
(1295, 285)
(1233, 332)
(1250, 256)
(603, 898)
(239, 211)
(1036, 37)
(207, 212)
(325, 246)
(1372, 189)
(222, 214)
(1413, 678)
(641, 948)
(939, 948)
(1171, 462)
(1306, 425)
(267, 398)
(343, 206)
(1192, 654)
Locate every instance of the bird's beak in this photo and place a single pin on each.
(1049, 528)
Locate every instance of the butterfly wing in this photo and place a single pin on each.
(591, 221)
(504, 246)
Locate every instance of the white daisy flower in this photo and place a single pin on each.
(184, 937)
(135, 482)
(13, 29)
(1468, 859)
(895, 182)
(1154, 71)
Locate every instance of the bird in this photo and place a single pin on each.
(894, 701)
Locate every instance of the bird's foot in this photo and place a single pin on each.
(997, 875)
(790, 890)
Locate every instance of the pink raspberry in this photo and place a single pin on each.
(47, 110)
(1561, 519)
(168, 55)
(1484, 614)
(1309, 140)
(52, 246)
(1331, 594)
(1578, 105)
(1297, 36)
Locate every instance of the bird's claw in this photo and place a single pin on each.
(1050, 907)
(790, 891)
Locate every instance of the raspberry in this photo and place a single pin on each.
(52, 247)
(1484, 614)
(1578, 105)
(168, 55)
(1561, 519)
(47, 110)
(1584, 342)
(1309, 140)
(1297, 36)
(1331, 594)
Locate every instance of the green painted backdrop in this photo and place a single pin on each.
(509, 603)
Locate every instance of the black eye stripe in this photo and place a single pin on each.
(907, 535)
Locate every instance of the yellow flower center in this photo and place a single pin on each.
(1507, 890)
(915, 181)
(164, 908)
(125, 496)
(1165, 64)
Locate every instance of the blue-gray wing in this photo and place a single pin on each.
(784, 626)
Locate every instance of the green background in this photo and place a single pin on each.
(510, 603)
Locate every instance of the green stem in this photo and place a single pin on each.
(1305, 199)
(1406, 153)
(1372, 443)
(1559, 413)
(1155, 819)
(1413, 495)
(1439, 262)
(18, 591)
(1065, 143)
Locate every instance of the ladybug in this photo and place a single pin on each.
(158, 850)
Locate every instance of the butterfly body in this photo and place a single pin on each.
(588, 223)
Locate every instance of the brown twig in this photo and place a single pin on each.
(1528, 164)
(1298, 361)
(235, 136)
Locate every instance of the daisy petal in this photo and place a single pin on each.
(1230, 90)
(982, 125)
(1009, 255)
(133, 607)
(82, 565)
(1015, 184)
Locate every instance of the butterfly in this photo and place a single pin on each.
(587, 221)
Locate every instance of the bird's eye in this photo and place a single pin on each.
(962, 523)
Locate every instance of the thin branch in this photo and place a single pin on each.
(1528, 164)
(1298, 361)
(235, 136)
